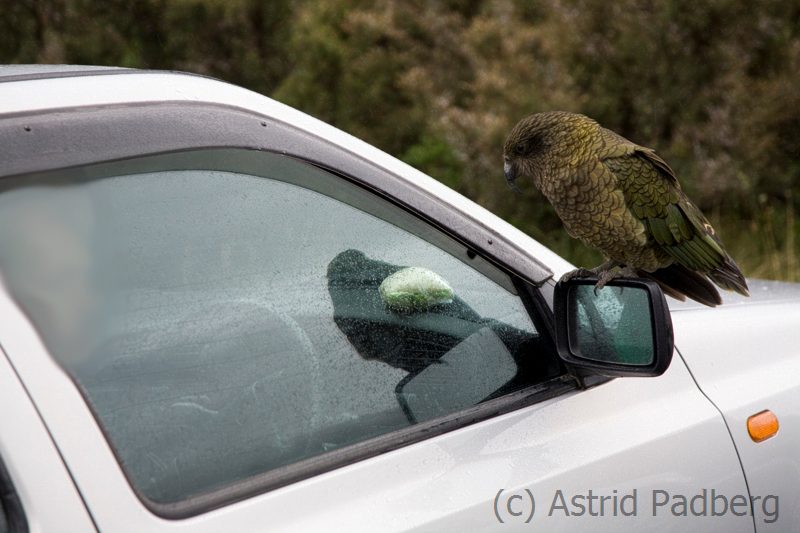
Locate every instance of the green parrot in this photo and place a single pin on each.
(623, 200)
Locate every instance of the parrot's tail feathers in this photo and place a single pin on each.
(729, 277)
(667, 290)
(678, 281)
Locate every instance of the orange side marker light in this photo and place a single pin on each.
(762, 426)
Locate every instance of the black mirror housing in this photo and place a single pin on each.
(623, 329)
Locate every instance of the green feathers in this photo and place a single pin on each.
(624, 200)
(683, 240)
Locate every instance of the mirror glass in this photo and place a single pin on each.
(612, 324)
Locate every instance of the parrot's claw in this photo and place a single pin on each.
(578, 273)
(604, 273)
(610, 274)
(605, 277)
(590, 272)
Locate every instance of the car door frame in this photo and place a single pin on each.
(175, 126)
(166, 127)
(39, 491)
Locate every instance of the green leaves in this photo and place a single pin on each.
(711, 85)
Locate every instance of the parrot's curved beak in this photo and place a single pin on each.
(510, 172)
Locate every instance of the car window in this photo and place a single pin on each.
(229, 313)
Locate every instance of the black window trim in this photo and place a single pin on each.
(176, 127)
(10, 504)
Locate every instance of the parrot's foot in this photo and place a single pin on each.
(604, 273)
(579, 273)
(590, 272)
(613, 273)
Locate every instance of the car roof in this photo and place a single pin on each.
(17, 72)
(34, 89)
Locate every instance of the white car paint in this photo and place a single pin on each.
(747, 360)
(636, 433)
(42, 481)
(644, 434)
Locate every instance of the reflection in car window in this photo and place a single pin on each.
(225, 323)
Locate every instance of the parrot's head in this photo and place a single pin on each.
(542, 141)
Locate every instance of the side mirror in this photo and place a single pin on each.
(623, 329)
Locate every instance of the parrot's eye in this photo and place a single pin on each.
(520, 148)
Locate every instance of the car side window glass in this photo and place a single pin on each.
(224, 323)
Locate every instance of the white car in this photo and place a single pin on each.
(220, 314)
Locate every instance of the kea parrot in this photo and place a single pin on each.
(623, 200)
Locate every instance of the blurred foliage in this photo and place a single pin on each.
(712, 85)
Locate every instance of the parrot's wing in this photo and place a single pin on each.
(725, 272)
(654, 159)
(615, 145)
(654, 196)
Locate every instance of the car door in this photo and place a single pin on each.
(767, 371)
(36, 491)
(210, 336)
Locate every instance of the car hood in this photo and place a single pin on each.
(761, 291)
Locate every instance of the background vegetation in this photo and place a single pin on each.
(713, 85)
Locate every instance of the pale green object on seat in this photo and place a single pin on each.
(414, 289)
